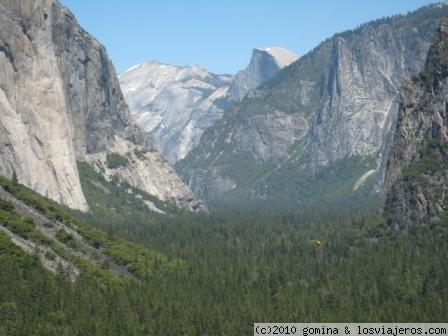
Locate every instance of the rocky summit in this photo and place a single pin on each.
(264, 64)
(174, 104)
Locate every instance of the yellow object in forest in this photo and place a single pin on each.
(317, 243)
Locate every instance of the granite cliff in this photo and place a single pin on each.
(264, 64)
(416, 184)
(60, 101)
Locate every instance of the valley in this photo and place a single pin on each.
(172, 200)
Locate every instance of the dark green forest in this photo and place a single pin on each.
(216, 275)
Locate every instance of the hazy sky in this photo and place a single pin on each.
(219, 35)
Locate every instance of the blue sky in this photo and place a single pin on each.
(219, 35)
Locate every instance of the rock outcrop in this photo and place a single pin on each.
(146, 170)
(416, 184)
(60, 101)
(264, 64)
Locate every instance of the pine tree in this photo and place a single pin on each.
(14, 178)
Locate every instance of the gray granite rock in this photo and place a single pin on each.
(174, 104)
(416, 185)
(60, 101)
(264, 64)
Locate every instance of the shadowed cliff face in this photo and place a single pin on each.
(417, 171)
(96, 106)
(335, 104)
(60, 100)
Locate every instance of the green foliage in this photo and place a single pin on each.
(293, 187)
(115, 161)
(141, 154)
(432, 159)
(137, 259)
(14, 178)
(118, 203)
(66, 238)
(218, 275)
(50, 255)
(205, 275)
(24, 227)
(36, 302)
(142, 262)
(241, 271)
(5, 205)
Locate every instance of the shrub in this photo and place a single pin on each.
(5, 205)
(140, 153)
(66, 238)
(115, 161)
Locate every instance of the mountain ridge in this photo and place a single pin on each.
(324, 102)
(175, 104)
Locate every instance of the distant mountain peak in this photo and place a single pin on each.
(282, 56)
(264, 64)
(441, 4)
(175, 104)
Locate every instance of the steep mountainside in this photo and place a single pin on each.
(417, 170)
(60, 101)
(35, 126)
(264, 64)
(322, 125)
(174, 104)
(64, 243)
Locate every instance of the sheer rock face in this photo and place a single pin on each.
(96, 106)
(59, 99)
(174, 104)
(416, 183)
(345, 94)
(36, 137)
(264, 64)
